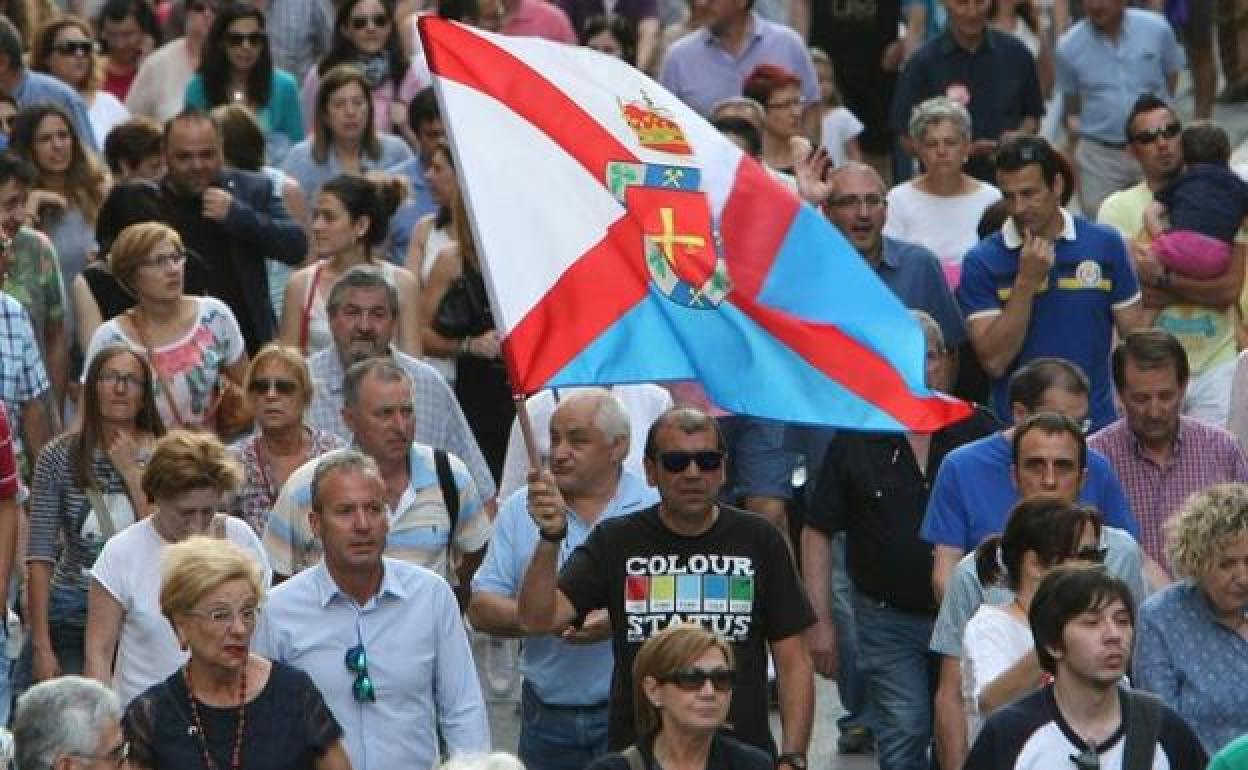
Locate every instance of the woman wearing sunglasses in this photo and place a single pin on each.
(225, 707)
(86, 488)
(999, 661)
(65, 49)
(366, 35)
(279, 390)
(683, 678)
(193, 344)
(1192, 640)
(237, 68)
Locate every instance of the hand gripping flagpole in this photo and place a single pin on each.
(522, 411)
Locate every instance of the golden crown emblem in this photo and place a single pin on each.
(653, 128)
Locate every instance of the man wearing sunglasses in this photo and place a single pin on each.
(1083, 624)
(1161, 456)
(382, 639)
(1049, 456)
(685, 559)
(69, 722)
(1199, 312)
(567, 676)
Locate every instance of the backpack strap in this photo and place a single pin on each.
(632, 755)
(450, 493)
(1143, 727)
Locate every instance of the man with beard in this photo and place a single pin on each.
(422, 486)
(363, 310)
(1199, 312)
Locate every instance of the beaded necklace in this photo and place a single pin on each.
(236, 756)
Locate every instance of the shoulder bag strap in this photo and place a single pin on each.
(105, 516)
(632, 755)
(151, 361)
(1143, 727)
(305, 320)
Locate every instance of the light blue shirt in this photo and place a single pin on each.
(418, 658)
(1109, 76)
(38, 88)
(560, 673)
(311, 174)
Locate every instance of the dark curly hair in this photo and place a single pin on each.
(214, 70)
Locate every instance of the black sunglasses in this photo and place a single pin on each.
(378, 20)
(236, 39)
(693, 679)
(1091, 554)
(357, 663)
(1168, 131)
(262, 385)
(74, 47)
(678, 461)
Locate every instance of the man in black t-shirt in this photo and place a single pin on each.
(1083, 623)
(686, 559)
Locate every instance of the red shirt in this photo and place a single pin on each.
(8, 462)
(537, 18)
(118, 84)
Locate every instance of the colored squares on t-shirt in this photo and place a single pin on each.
(715, 593)
(662, 593)
(637, 593)
(688, 593)
(741, 594)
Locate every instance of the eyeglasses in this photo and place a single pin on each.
(224, 616)
(125, 379)
(172, 259)
(694, 679)
(357, 663)
(1168, 131)
(1087, 759)
(253, 39)
(378, 20)
(75, 47)
(870, 200)
(1090, 554)
(117, 756)
(677, 462)
(262, 385)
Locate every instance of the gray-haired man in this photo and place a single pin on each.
(66, 719)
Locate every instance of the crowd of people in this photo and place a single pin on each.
(264, 497)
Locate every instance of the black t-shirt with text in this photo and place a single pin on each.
(737, 579)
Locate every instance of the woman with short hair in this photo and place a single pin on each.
(940, 208)
(683, 679)
(279, 390)
(1193, 634)
(189, 479)
(226, 707)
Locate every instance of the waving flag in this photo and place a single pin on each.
(625, 240)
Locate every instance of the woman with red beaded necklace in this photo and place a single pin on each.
(226, 708)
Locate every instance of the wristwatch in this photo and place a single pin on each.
(794, 759)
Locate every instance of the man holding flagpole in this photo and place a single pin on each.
(687, 559)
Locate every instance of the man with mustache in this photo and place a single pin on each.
(363, 309)
(435, 517)
(1161, 456)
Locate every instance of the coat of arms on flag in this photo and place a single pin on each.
(623, 239)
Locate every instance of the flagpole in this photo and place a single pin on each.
(526, 430)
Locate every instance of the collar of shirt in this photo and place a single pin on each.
(1013, 240)
(756, 34)
(333, 375)
(888, 254)
(327, 590)
(949, 45)
(1180, 435)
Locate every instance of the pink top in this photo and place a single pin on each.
(383, 96)
(535, 18)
